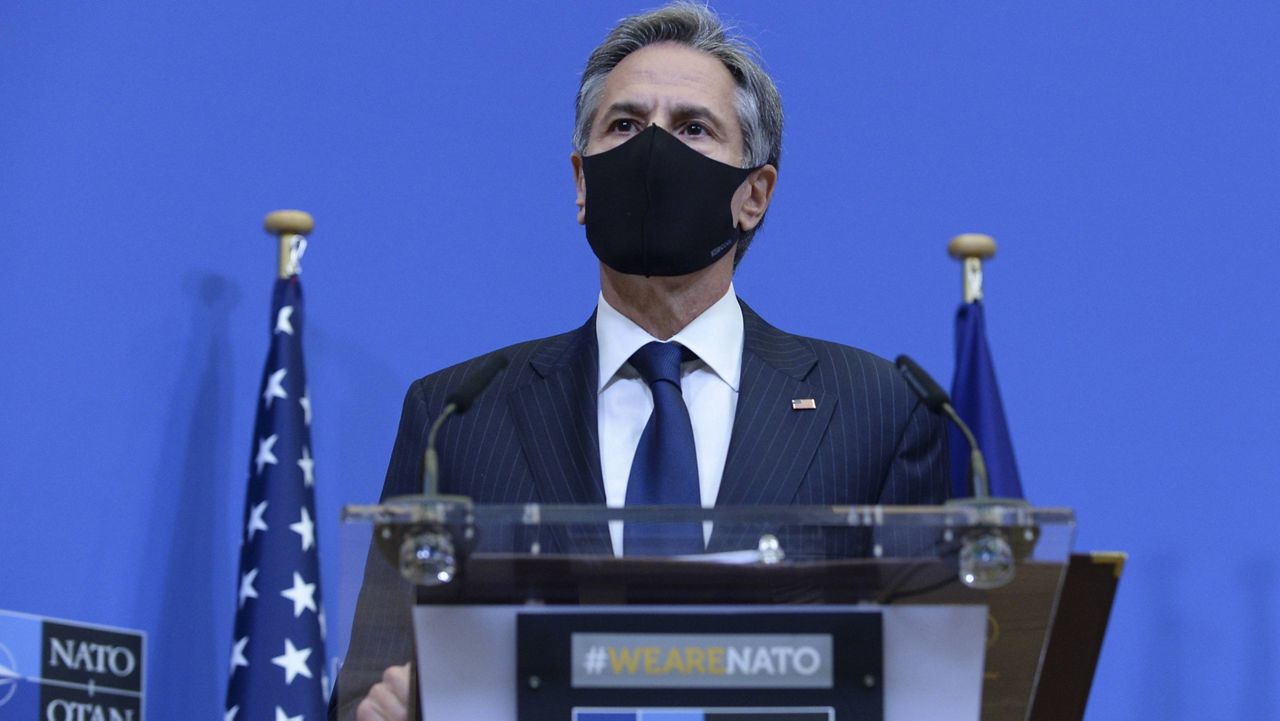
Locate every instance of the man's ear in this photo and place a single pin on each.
(755, 193)
(579, 181)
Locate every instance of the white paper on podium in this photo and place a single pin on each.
(933, 656)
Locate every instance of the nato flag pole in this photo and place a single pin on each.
(974, 391)
(277, 668)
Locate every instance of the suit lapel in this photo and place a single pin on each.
(555, 414)
(772, 445)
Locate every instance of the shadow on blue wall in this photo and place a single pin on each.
(1189, 635)
(1258, 688)
(1165, 670)
(188, 647)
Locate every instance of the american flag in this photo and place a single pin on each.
(277, 668)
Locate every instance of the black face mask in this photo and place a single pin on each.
(655, 206)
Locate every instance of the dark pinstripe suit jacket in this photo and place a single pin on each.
(532, 437)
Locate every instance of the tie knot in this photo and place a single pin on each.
(658, 361)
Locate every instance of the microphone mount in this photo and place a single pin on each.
(431, 549)
(987, 560)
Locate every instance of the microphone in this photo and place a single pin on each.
(936, 399)
(986, 559)
(457, 403)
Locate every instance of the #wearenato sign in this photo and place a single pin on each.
(656, 660)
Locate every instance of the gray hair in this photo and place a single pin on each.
(758, 105)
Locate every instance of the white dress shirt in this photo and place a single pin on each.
(709, 386)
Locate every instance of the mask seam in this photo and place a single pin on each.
(644, 217)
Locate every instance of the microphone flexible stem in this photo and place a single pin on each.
(431, 460)
(981, 486)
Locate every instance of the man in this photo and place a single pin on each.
(678, 136)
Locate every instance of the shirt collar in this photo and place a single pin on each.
(715, 336)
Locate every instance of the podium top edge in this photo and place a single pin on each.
(408, 509)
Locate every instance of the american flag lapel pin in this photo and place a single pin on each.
(803, 404)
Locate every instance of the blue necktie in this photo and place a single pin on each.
(665, 468)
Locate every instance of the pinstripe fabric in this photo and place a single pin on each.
(532, 438)
(869, 441)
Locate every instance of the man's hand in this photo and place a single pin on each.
(388, 700)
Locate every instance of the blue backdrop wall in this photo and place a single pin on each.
(1124, 154)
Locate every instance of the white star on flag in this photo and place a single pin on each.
(282, 716)
(237, 654)
(302, 594)
(308, 466)
(305, 528)
(305, 402)
(247, 590)
(274, 387)
(266, 453)
(293, 661)
(255, 520)
(284, 322)
(230, 715)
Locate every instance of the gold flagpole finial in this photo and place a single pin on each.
(971, 249)
(292, 227)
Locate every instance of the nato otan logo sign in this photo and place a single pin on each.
(53, 670)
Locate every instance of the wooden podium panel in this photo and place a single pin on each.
(1075, 641)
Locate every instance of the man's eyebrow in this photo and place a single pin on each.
(682, 111)
(685, 111)
(627, 107)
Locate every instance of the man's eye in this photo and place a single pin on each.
(695, 129)
(623, 125)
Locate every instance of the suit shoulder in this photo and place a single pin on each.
(847, 369)
(833, 352)
(433, 387)
(849, 365)
(814, 359)
(838, 362)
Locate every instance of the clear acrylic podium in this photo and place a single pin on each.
(472, 574)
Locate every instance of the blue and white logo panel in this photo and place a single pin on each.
(51, 669)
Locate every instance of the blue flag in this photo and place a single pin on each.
(277, 670)
(976, 398)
